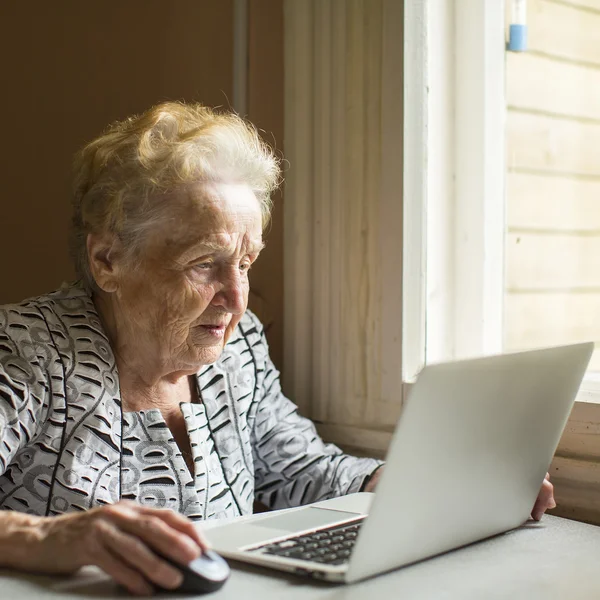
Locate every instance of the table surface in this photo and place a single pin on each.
(556, 558)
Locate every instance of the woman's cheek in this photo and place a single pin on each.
(202, 294)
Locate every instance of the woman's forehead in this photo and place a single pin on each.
(228, 222)
(210, 209)
(216, 205)
(219, 194)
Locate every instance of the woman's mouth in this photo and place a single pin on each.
(218, 331)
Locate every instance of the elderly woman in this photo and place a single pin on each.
(147, 385)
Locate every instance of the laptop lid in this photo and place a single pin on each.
(469, 454)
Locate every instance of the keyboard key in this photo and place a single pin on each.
(327, 558)
(329, 546)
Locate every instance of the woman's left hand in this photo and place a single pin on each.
(372, 483)
(545, 499)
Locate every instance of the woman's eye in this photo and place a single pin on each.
(203, 266)
(245, 266)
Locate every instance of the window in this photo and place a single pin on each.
(513, 217)
(552, 285)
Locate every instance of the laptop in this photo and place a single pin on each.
(466, 462)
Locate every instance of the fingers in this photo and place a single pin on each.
(152, 526)
(374, 479)
(147, 566)
(545, 499)
(180, 523)
(123, 539)
(124, 575)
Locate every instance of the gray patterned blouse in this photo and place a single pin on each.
(66, 445)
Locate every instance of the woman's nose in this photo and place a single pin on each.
(233, 292)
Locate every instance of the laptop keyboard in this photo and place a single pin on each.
(331, 546)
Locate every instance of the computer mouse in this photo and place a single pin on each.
(207, 573)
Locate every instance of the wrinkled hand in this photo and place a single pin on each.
(545, 499)
(120, 539)
(372, 483)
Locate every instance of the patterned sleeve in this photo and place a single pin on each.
(293, 466)
(21, 408)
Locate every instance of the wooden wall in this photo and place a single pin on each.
(575, 470)
(343, 216)
(553, 185)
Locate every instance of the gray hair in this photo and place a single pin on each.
(124, 179)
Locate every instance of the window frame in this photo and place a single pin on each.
(415, 192)
(465, 212)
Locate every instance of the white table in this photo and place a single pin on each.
(555, 559)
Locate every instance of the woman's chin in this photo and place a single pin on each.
(208, 348)
(207, 355)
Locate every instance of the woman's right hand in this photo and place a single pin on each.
(120, 539)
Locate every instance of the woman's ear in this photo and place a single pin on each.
(103, 258)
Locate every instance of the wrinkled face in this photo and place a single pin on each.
(191, 289)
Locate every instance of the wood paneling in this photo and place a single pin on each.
(545, 143)
(561, 203)
(543, 83)
(581, 436)
(565, 29)
(549, 319)
(343, 343)
(575, 470)
(553, 261)
(593, 5)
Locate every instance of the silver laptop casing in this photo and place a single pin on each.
(466, 462)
